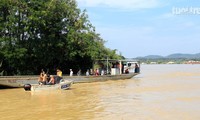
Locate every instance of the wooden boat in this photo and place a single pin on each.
(20, 81)
(88, 79)
(63, 85)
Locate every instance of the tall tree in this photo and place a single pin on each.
(39, 34)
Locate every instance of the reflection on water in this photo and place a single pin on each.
(164, 92)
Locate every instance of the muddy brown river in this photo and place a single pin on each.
(160, 92)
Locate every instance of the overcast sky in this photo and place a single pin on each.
(146, 27)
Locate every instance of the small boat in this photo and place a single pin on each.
(62, 85)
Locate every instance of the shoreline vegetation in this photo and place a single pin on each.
(49, 35)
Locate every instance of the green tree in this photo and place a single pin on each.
(38, 34)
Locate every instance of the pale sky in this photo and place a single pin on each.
(146, 27)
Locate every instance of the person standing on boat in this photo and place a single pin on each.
(51, 81)
(96, 72)
(136, 68)
(79, 73)
(59, 72)
(71, 72)
(87, 73)
(102, 72)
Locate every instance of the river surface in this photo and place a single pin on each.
(160, 92)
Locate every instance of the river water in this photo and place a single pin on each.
(160, 92)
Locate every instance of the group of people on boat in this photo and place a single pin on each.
(46, 79)
(137, 69)
(96, 72)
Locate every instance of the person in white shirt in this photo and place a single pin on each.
(87, 73)
(102, 72)
(71, 72)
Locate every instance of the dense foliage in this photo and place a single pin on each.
(50, 34)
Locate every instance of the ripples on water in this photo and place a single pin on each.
(160, 92)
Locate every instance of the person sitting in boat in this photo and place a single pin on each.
(59, 72)
(51, 81)
(40, 79)
(126, 71)
(44, 80)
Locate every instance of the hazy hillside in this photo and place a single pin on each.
(172, 56)
(152, 57)
(179, 55)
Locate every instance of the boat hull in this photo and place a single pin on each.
(20, 81)
(17, 81)
(64, 85)
(88, 79)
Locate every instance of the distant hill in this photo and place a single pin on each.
(188, 56)
(179, 55)
(152, 57)
(172, 56)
